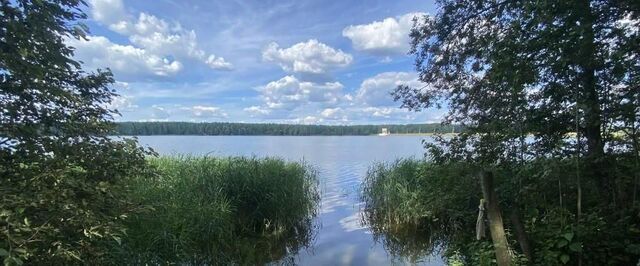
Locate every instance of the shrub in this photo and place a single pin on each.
(417, 208)
(62, 212)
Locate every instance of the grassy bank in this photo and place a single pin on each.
(416, 208)
(205, 210)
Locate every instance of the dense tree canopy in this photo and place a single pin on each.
(549, 95)
(59, 171)
(188, 128)
(550, 68)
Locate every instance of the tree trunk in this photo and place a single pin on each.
(521, 234)
(496, 226)
(590, 102)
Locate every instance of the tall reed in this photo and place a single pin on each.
(412, 206)
(207, 210)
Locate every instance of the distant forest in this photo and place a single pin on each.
(190, 128)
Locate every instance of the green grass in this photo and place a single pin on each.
(394, 208)
(206, 210)
(412, 206)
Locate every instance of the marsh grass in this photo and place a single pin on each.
(407, 204)
(236, 210)
(393, 208)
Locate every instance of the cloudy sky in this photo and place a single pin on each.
(291, 61)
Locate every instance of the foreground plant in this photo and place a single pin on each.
(62, 199)
(532, 82)
(222, 210)
(418, 208)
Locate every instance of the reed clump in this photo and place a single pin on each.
(408, 209)
(235, 210)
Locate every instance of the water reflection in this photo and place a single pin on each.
(342, 162)
(279, 247)
(407, 241)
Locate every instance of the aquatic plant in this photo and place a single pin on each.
(206, 210)
(409, 206)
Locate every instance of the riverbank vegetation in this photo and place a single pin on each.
(220, 211)
(189, 128)
(519, 76)
(416, 208)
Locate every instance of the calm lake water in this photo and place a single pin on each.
(342, 163)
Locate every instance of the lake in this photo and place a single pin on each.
(342, 162)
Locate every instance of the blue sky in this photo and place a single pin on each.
(311, 62)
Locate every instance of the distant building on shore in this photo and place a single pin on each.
(384, 132)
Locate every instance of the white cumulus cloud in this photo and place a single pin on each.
(125, 61)
(153, 36)
(289, 92)
(334, 114)
(122, 104)
(376, 90)
(159, 113)
(311, 57)
(257, 110)
(108, 11)
(384, 38)
(206, 111)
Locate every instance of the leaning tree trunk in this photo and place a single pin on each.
(496, 227)
(521, 235)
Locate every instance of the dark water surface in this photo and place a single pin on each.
(342, 163)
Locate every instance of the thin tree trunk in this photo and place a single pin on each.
(496, 225)
(521, 234)
(590, 102)
(636, 155)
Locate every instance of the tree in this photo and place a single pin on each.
(60, 174)
(522, 77)
(549, 68)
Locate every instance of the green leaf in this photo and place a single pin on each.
(3, 252)
(9, 261)
(564, 258)
(562, 243)
(575, 247)
(568, 236)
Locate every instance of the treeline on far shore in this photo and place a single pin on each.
(220, 128)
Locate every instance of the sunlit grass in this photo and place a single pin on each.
(408, 206)
(222, 210)
(393, 208)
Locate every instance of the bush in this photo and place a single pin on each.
(222, 210)
(417, 208)
(62, 211)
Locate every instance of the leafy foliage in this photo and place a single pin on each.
(61, 189)
(416, 208)
(548, 94)
(511, 68)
